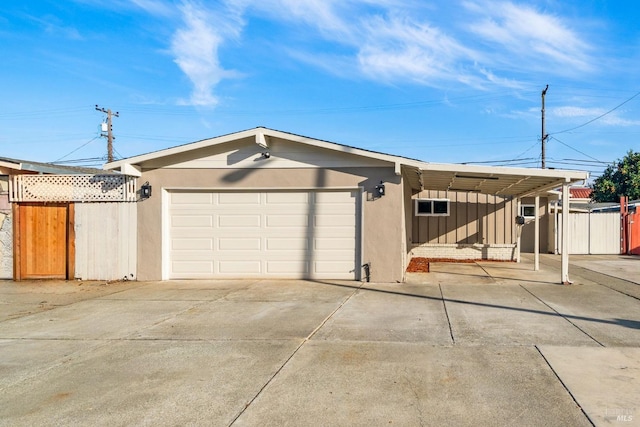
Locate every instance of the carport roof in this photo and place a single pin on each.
(501, 181)
(497, 180)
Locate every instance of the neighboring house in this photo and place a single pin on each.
(263, 203)
(65, 222)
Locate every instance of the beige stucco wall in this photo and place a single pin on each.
(382, 230)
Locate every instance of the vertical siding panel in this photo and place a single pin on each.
(451, 220)
(461, 218)
(500, 223)
(488, 220)
(481, 208)
(432, 222)
(442, 223)
(472, 219)
(514, 213)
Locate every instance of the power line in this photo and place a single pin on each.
(597, 118)
(68, 154)
(91, 159)
(576, 150)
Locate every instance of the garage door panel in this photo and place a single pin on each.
(263, 234)
(275, 220)
(286, 268)
(239, 198)
(192, 267)
(233, 221)
(287, 198)
(178, 198)
(332, 267)
(292, 244)
(239, 244)
(338, 243)
(192, 221)
(192, 244)
(347, 221)
(239, 267)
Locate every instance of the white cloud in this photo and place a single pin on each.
(586, 114)
(195, 47)
(399, 48)
(388, 41)
(154, 7)
(529, 39)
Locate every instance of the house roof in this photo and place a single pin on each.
(502, 181)
(38, 167)
(580, 192)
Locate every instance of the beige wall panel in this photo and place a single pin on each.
(474, 218)
(500, 220)
(462, 220)
(472, 225)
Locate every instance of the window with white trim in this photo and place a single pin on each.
(528, 211)
(432, 207)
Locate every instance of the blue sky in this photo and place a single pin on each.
(442, 81)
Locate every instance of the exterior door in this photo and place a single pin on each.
(43, 239)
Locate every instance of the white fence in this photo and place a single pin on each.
(73, 188)
(592, 233)
(105, 241)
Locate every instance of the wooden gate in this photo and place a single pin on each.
(43, 241)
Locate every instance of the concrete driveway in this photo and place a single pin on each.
(467, 344)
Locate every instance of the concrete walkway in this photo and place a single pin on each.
(467, 344)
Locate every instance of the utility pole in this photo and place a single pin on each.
(109, 134)
(544, 135)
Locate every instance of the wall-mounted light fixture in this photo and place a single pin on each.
(145, 190)
(380, 189)
(266, 155)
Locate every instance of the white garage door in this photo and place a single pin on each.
(283, 234)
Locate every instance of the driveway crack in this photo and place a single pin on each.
(446, 313)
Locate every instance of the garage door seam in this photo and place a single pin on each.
(286, 362)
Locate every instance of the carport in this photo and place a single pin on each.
(507, 182)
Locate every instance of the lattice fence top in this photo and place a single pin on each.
(73, 188)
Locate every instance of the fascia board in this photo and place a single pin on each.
(502, 170)
(181, 149)
(266, 132)
(11, 165)
(342, 148)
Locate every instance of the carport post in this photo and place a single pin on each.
(565, 233)
(536, 240)
(519, 228)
